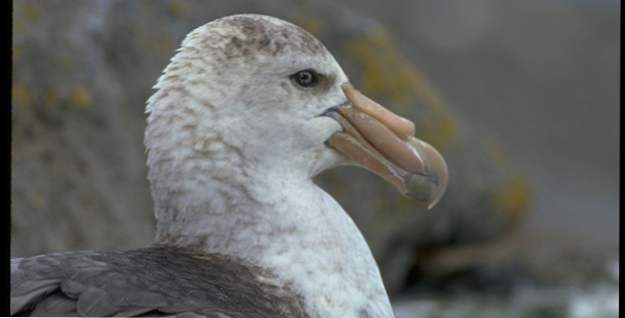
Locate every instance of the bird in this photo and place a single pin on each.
(249, 109)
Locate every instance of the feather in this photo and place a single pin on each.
(154, 281)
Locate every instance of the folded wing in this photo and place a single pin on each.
(154, 281)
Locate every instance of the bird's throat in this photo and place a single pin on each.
(290, 227)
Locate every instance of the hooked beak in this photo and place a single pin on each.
(383, 143)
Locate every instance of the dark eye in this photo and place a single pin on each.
(306, 78)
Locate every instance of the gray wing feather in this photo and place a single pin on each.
(55, 305)
(95, 302)
(155, 281)
(31, 291)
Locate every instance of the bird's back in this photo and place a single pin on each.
(153, 281)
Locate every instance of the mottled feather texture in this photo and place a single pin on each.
(232, 147)
(153, 281)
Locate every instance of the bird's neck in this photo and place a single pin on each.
(281, 222)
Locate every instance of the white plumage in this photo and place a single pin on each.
(232, 149)
(247, 112)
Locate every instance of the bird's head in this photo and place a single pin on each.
(258, 91)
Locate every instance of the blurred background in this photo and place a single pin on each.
(521, 97)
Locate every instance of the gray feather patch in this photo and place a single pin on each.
(154, 281)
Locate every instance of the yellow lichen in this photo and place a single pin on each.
(440, 128)
(311, 24)
(80, 98)
(31, 12)
(21, 95)
(52, 98)
(513, 197)
(38, 200)
(178, 8)
(18, 27)
(387, 74)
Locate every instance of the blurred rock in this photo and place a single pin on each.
(525, 303)
(84, 69)
(598, 298)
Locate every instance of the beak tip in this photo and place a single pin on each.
(430, 187)
(437, 198)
